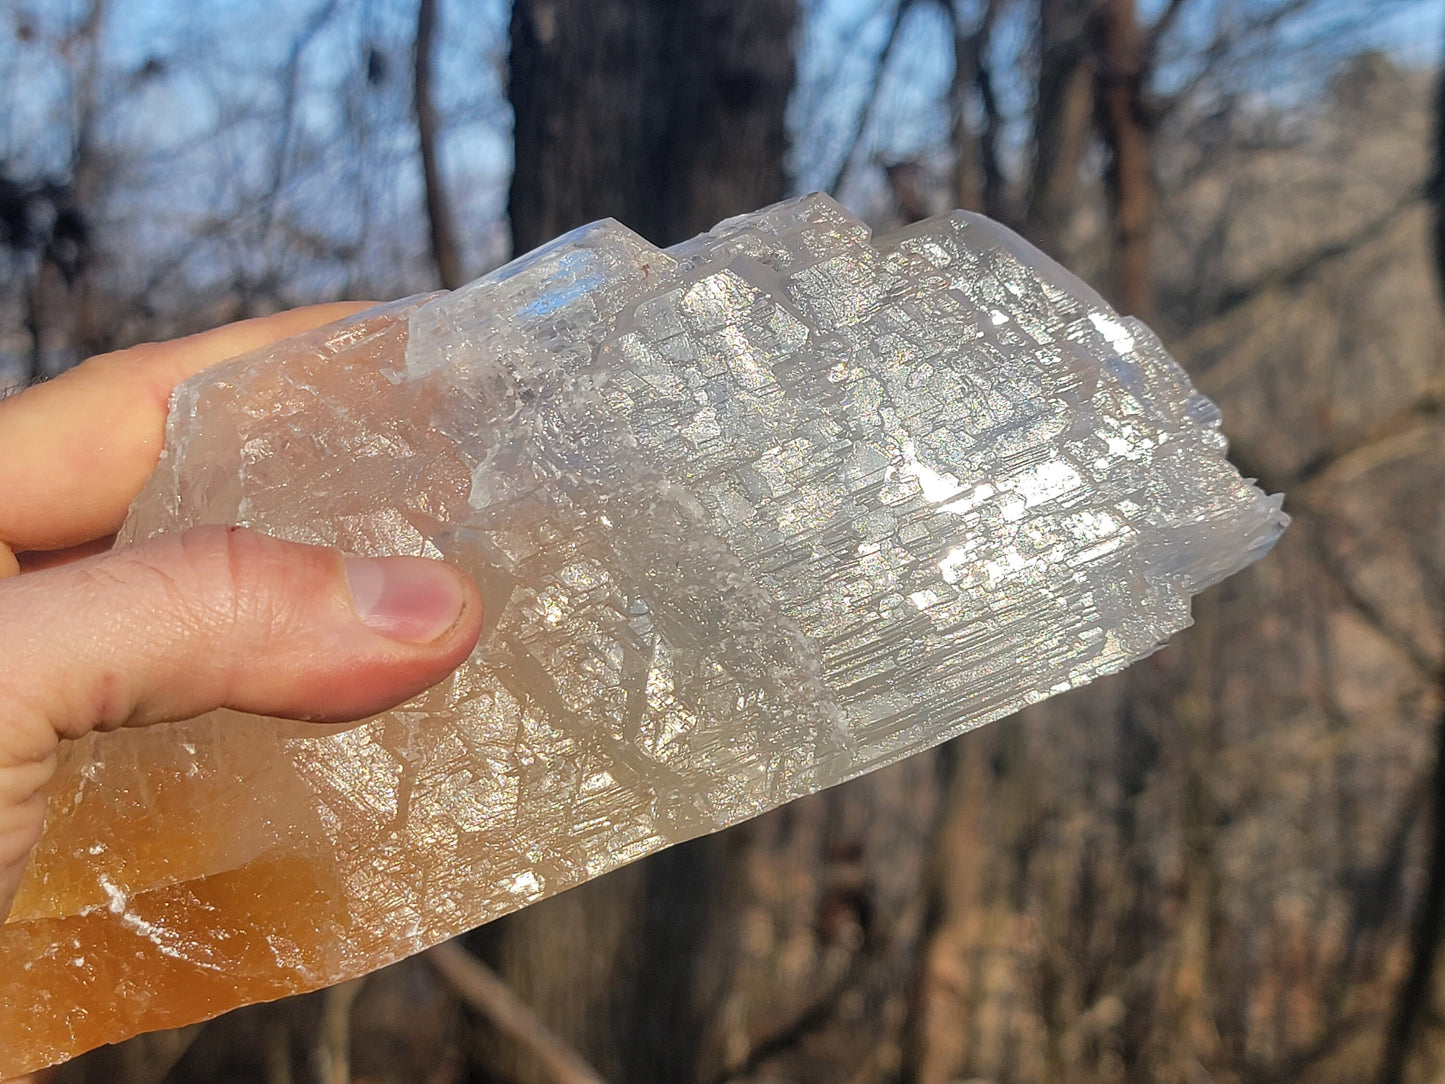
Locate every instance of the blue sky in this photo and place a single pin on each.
(200, 134)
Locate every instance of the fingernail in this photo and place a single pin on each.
(412, 599)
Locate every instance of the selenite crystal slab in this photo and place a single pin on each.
(751, 516)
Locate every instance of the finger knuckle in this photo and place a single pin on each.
(248, 579)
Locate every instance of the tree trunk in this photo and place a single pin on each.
(1412, 1050)
(1124, 126)
(1061, 126)
(978, 178)
(663, 115)
(668, 117)
(446, 253)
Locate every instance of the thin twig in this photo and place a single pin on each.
(478, 985)
(446, 252)
(1161, 27)
(336, 1031)
(865, 112)
(290, 95)
(1374, 614)
(1299, 273)
(1402, 435)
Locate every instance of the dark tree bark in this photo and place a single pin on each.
(1095, 62)
(978, 176)
(1415, 1015)
(1061, 122)
(667, 116)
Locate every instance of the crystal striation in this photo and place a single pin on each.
(751, 516)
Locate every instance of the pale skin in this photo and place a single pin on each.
(94, 638)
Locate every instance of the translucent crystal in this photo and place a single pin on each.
(751, 516)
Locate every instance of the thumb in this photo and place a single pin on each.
(215, 617)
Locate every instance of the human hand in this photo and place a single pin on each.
(94, 638)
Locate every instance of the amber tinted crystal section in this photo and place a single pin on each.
(751, 516)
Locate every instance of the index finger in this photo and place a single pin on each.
(76, 450)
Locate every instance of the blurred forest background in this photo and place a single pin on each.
(1228, 863)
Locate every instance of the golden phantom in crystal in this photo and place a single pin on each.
(751, 516)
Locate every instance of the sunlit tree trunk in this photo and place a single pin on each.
(1121, 114)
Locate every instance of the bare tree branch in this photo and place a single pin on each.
(445, 250)
(1374, 614)
(290, 90)
(1402, 434)
(477, 985)
(1063, 103)
(1295, 274)
(87, 98)
(812, 1019)
(870, 100)
(1126, 130)
(1227, 41)
(1161, 26)
(1292, 276)
(1416, 1000)
(978, 181)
